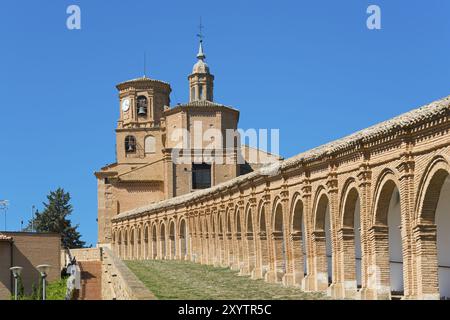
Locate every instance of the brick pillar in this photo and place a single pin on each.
(204, 238)
(230, 250)
(346, 238)
(171, 247)
(308, 282)
(242, 243)
(296, 248)
(240, 252)
(251, 253)
(212, 249)
(365, 201)
(320, 272)
(427, 262)
(378, 284)
(269, 275)
(288, 257)
(336, 289)
(220, 250)
(279, 263)
(407, 202)
(262, 265)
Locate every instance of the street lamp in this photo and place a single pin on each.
(43, 270)
(16, 271)
(4, 206)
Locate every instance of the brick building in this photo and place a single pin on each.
(27, 250)
(148, 134)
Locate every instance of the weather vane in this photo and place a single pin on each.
(200, 27)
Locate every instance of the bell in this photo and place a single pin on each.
(130, 147)
(142, 111)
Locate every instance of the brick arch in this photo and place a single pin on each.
(239, 230)
(213, 219)
(388, 245)
(162, 239)
(248, 219)
(262, 245)
(348, 201)
(228, 222)
(278, 240)
(237, 220)
(431, 231)
(183, 237)
(350, 237)
(172, 236)
(250, 241)
(430, 189)
(295, 223)
(125, 243)
(261, 217)
(277, 215)
(321, 202)
(220, 223)
(297, 229)
(146, 229)
(387, 182)
(322, 245)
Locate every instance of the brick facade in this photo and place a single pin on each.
(28, 250)
(298, 226)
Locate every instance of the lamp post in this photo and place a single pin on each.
(4, 206)
(16, 271)
(43, 270)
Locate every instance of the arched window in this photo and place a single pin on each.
(142, 106)
(150, 144)
(192, 94)
(200, 92)
(130, 144)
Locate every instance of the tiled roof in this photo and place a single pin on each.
(203, 103)
(142, 79)
(427, 112)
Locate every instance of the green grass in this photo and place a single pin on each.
(181, 280)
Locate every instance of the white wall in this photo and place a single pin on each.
(443, 239)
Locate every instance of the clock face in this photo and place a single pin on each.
(125, 105)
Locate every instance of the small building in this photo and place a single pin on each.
(27, 250)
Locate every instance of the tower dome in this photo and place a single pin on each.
(201, 66)
(201, 81)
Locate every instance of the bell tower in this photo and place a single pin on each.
(201, 81)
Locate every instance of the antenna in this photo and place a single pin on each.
(4, 206)
(145, 64)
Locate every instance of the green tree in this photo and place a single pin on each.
(54, 218)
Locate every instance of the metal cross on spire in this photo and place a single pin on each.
(200, 27)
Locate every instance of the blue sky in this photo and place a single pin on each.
(310, 68)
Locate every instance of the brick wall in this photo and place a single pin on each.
(29, 250)
(118, 282)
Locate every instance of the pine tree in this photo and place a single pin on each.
(54, 218)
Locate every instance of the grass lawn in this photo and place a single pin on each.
(182, 280)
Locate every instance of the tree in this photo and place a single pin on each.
(54, 218)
